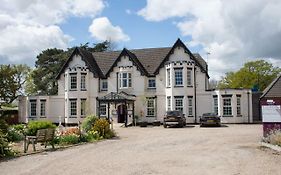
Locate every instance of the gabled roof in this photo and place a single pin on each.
(148, 61)
(89, 60)
(274, 89)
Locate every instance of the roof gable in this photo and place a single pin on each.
(179, 43)
(87, 58)
(274, 89)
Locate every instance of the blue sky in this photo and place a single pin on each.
(234, 32)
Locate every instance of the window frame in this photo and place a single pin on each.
(238, 106)
(72, 109)
(102, 88)
(177, 107)
(148, 83)
(168, 84)
(169, 101)
(32, 108)
(83, 83)
(227, 107)
(150, 109)
(71, 84)
(178, 79)
(103, 106)
(43, 112)
(216, 105)
(190, 106)
(83, 107)
(189, 77)
(127, 79)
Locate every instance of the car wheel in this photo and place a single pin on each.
(165, 126)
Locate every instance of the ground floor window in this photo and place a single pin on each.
(102, 109)
(238, 106)
(83, 107)
(190, 106)
(32, 108)
(168, 103)
(73, 107)
(178, 103)
(150, 107)
(43, 108)
(215, 98)
(227, 109)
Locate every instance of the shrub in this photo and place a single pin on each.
(274, 137)
(33, 126)
(68, 139)
(16, 132)
(5, 149)
(3, 126)
(103, 128)
(70, 131)
(88, 123)
(90, 136)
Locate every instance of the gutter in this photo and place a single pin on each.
(195, 106)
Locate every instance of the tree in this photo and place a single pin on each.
(254, 74)
(12, 80)
(42, 79)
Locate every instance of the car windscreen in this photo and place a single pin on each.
(173, 113)
(209, 115)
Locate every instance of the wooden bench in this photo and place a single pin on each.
(43, 136)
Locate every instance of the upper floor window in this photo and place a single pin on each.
(83, 82)
(33, 111)
(42, 108)
(73, 107)
(179, 103)
(227, 109)
(178, 77)
(151, 83)
(189, 77)
(125, 80)
(73, 81)
(168, 77)
(103, 85)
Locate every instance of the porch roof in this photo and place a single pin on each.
(117, 97)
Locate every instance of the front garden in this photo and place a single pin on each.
(12, 137)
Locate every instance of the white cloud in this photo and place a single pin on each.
(128, 11)
(102, 29)
(233, 31)
(30, 26)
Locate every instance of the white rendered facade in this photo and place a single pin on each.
(180, 84)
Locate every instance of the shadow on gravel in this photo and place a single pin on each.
(211, 126)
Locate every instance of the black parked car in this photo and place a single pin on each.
(210, 119)
(174, 118)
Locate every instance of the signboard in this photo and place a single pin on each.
(271, 113)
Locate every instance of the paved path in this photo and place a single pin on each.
(191, 150)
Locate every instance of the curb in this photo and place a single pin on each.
(273, 147)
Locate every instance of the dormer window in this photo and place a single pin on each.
(125, 80)
(103, 85)
(73, 81)
(151, 83)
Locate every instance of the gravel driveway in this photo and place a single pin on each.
(192, 150)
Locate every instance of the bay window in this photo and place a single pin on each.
(125, 80)
(73, 107)
(189, 77)
(227, 109)
(178, 103)
(178, 77)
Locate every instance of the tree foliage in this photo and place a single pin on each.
(41, 80)
(12, 79)
(254, 74)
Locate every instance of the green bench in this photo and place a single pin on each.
(43, 136)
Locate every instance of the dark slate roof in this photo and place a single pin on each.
(106, 59)
(201, 61)
(274, 89)
(148, 61)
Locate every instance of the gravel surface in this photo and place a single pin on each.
(154, 150)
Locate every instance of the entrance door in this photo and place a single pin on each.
(121, 112)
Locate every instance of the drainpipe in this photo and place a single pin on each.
(195, 106)
(117, 74)
(248, 96)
